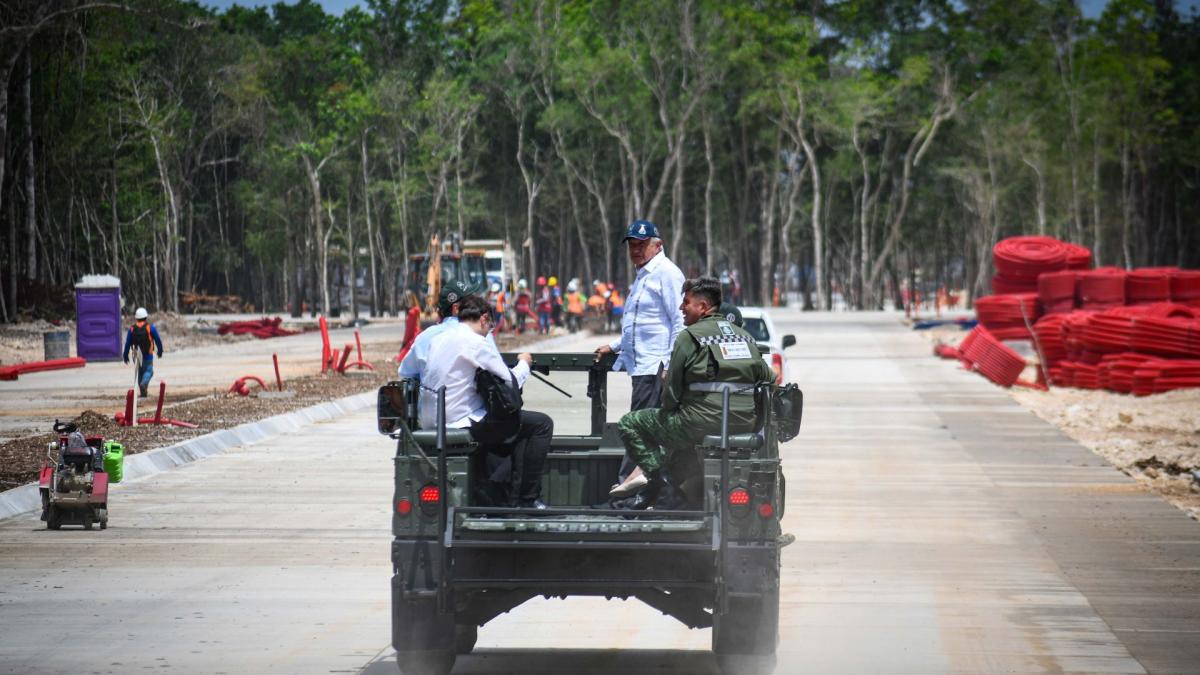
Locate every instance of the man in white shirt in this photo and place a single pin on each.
(651, 319)
(453, 361)
(449, 299)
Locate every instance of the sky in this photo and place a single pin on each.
(1091, 8)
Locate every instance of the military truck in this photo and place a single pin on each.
(458, 564)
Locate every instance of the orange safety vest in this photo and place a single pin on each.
(616, 299)
(575, 303)
(500, 302)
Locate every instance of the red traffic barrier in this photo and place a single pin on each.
(326, 352)
(126, 418)
(241, 386)
(278, 379)
(14, 371)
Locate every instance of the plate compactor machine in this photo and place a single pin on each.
(74, 482)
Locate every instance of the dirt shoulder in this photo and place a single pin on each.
(1154, 439)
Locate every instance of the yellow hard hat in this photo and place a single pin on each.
(553, 281)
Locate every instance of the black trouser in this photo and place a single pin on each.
(527, 439)
(647, 393)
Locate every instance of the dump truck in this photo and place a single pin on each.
(442, 262)
(458, 564)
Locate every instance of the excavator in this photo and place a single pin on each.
(443, 261)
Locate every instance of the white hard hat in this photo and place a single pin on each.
(495, 288)
(141, 313)
(522, 284)
(571, 286)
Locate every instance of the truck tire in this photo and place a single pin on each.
(53, 518)
(744, 638)
(465, 637)
(424, 639)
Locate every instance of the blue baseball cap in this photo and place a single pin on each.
(641, 229)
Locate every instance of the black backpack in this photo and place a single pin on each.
(502, 399)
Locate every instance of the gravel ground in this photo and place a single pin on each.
(21, 458)
(1154, 439)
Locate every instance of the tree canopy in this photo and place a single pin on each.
(825, 148)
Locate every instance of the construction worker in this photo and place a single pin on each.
(523, 306)
(556, 302)
(545, 306)
(575, 305)
(497, 301)
(710, 355)
(144, 335)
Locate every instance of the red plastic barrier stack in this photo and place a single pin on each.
(1110, 331)
(1148, 285)
(1185, 287)
(1019, 261)
(1049, 333)
(1175, 334)
(1078, 257)
(995, 360)
(1101, 288)
(1177, 374)
(1004, 315)
(1056, 291)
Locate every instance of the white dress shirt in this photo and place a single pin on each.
(418, 354)
(455, 354)
(651, 318)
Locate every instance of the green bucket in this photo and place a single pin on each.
(114, 461)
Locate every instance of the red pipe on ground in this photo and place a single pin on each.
(358, 344)
(278, 379)
(345, 357)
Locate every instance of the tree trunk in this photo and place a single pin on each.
(318, 220)
(370, 231)
(709, 245)
(1097, 229)
(31, 262)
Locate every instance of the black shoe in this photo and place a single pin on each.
(648, 497)
(143, 389)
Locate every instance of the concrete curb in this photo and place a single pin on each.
(26, 498)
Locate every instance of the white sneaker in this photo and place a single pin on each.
(630, 486)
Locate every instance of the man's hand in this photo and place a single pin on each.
(526, 357)
(160, 355)
(601, 351)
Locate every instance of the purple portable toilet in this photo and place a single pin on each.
(98, 318)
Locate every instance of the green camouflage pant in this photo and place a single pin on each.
(651, 436)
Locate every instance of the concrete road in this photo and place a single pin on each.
(28, 404)
(940, 528)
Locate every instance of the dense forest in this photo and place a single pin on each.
(846, 148)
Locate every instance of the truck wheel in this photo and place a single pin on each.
(744, 638)
(425, 663)
(53, 519)
(465, 636)
(424, 639)
(102, 514)
(87, 520)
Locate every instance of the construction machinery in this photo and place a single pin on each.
(74, 481)
(440, 263)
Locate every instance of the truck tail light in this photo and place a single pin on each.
(777, 362)
(765, 510)
(739, 497)
(404, 507)
(430, 494)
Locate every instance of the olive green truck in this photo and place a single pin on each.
(458, 564)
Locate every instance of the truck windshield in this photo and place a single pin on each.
(757, 328)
